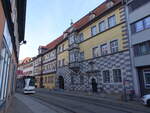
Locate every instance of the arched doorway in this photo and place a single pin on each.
(61, 82)
(94, 85)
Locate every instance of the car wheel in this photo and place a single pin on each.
(148, 102)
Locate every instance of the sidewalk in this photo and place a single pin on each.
(25, 104)
(18, 106)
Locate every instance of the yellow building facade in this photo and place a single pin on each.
(108, 35)
(62, 53)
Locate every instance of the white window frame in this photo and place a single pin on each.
(80, 37)
(97, 54)
(113, 76)
(93, 33)
(81, 57)
(111, 22)
(72, 57)
(71, 39)
(103, 26)
(139, 26)
(114, 46)
(109, 76)
(104, 53)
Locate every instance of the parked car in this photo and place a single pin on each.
(146, 99)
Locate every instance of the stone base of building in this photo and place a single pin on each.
(87, 80)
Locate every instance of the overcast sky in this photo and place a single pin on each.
(47, 19)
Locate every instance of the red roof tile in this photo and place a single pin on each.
(97, 11)
(54, 43)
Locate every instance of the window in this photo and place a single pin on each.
(47, 66)
(147, 22)
(102, 26)
(72, 80)
(95, 52)
(139, 26)
(7, 37)
(117, 75)
(2, 60)
(81, 37)
(135, 4)
(59, 49)
(106, 76)
(45, 79)
(59, 63)
(76, 56)
(50, 79)
(147, 79)
(81, 79)
(71, 40)
(136, 50)
(111, 21)
(81, 56)
(63, 47)
(63, 62)
(142, 49)
(93, 31)
(104, 49)
(72, 57)
(4, 70)
(114, 46)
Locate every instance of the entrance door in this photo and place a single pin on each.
(61, 82)
(94, 85)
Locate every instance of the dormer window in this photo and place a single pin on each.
(71, 29)
(109, 4)
(92, 16)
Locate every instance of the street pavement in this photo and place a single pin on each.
(72, 103)
(45, 101)
(18, 106)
